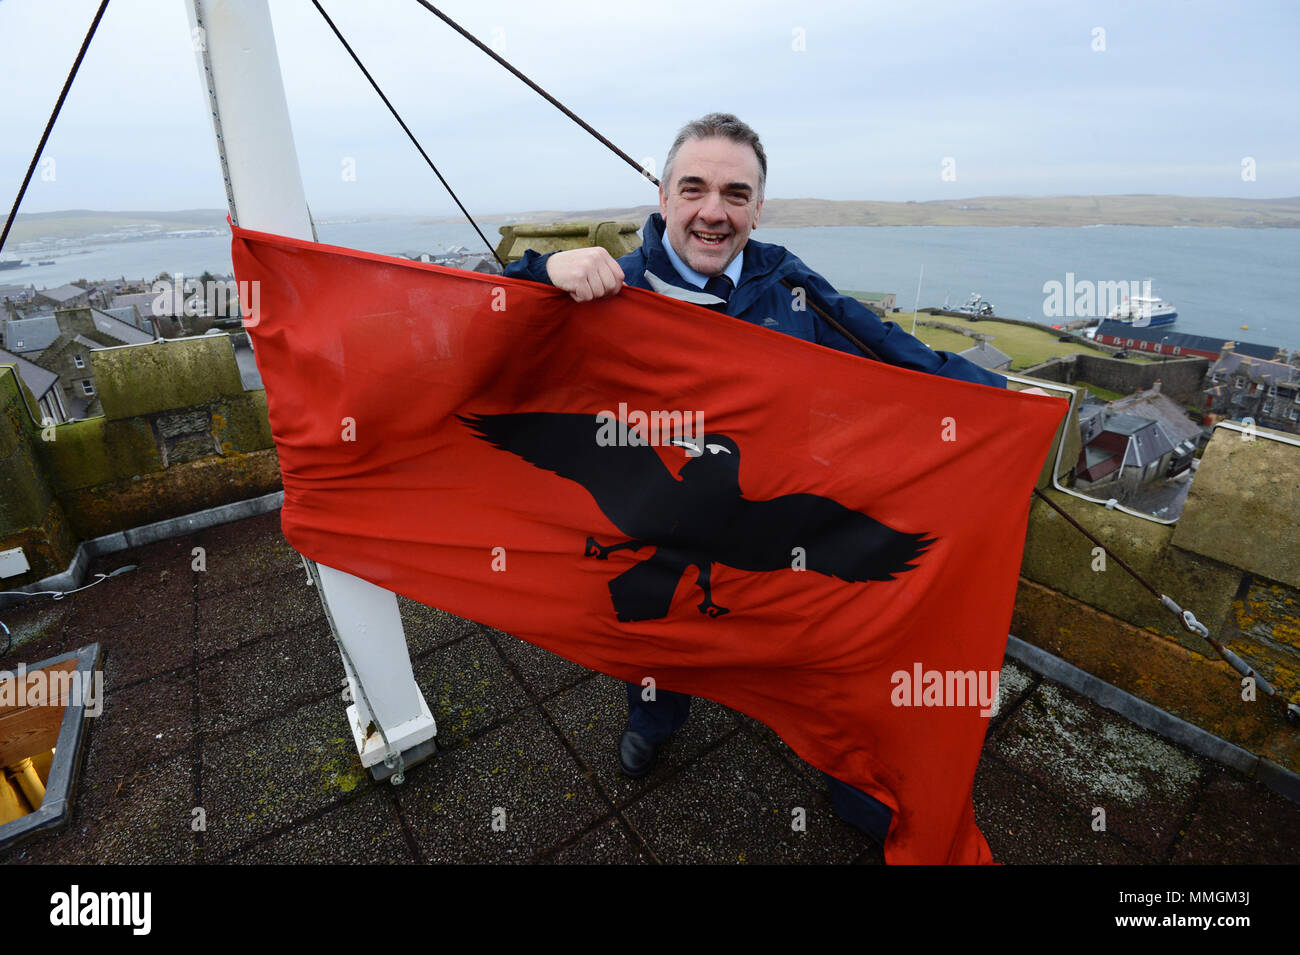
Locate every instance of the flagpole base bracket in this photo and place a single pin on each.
(414, 739)
(417, 754)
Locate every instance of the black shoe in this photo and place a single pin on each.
(636, 754)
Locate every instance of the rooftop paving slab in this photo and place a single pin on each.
(740, 802)
(364, 831)
(276, 774)
(513, 794)
(592, 715)
(1093, 759)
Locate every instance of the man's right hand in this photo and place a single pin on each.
(586, 274)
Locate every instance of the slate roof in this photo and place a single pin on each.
(1147, 443)
(114, 328)
(1147, 440)
(1121, 423)
(63, 293)
(127, 314)
(1160, 407)
(38, 379)
(1256, 369)
(19, 293)
(1182, 339)
(481, 263)
(143, 301)
(35, 334)
(986, 356)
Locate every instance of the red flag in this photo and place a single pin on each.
(463, 439)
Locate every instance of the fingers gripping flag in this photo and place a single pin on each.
(650, 489)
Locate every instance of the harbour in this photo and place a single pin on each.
(1219, 278)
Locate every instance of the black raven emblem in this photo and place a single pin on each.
(698, 517)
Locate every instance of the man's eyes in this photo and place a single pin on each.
(736, 198)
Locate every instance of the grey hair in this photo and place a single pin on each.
(723, 126)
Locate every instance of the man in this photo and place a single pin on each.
(697, 248)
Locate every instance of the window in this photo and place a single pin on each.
(1130, 343)
(1239, 382)
(79, 361)
(87, 388)
(1178, 349)
(1297, 397)
(1215, 377)
(1272, 390)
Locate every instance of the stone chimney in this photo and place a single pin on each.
(1156, 386)
(1227, 349)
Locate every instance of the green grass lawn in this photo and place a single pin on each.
(1105, 394)
(1026, 346)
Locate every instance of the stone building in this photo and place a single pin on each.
(1240, 386)
(82, 330)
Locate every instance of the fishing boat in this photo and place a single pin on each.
(7, 263)
(976, 305)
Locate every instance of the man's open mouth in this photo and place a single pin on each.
(711, 238)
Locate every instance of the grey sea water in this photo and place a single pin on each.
(1219, 278)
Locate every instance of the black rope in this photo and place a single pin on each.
(1290, 710)
(817, 309)
(1109, 553)
(49, 126)
(537, 89)
(830, 320)
(410, 135)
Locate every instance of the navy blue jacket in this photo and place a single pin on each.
(761, 299)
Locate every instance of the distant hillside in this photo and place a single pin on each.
(75, 223)
(1149, 210)
(786, 213)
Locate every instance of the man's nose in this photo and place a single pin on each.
(713, 209)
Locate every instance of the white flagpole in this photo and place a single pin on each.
(240, 71)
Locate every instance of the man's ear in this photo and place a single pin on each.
(758, 211)
(663, 202)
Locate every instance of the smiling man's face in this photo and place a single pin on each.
(711, 203)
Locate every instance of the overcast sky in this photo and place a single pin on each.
(853, 100)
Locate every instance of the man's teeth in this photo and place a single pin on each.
(710, 238)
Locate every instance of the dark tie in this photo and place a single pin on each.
(720, 286)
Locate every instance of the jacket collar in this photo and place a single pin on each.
(764, 265)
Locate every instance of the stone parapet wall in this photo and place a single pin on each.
(1180, 378)
(178, 435)
(1233, 559)
(617, 238)
(31, 516)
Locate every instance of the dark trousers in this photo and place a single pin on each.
(658, 719)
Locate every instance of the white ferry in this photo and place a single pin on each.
(1144, 311)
